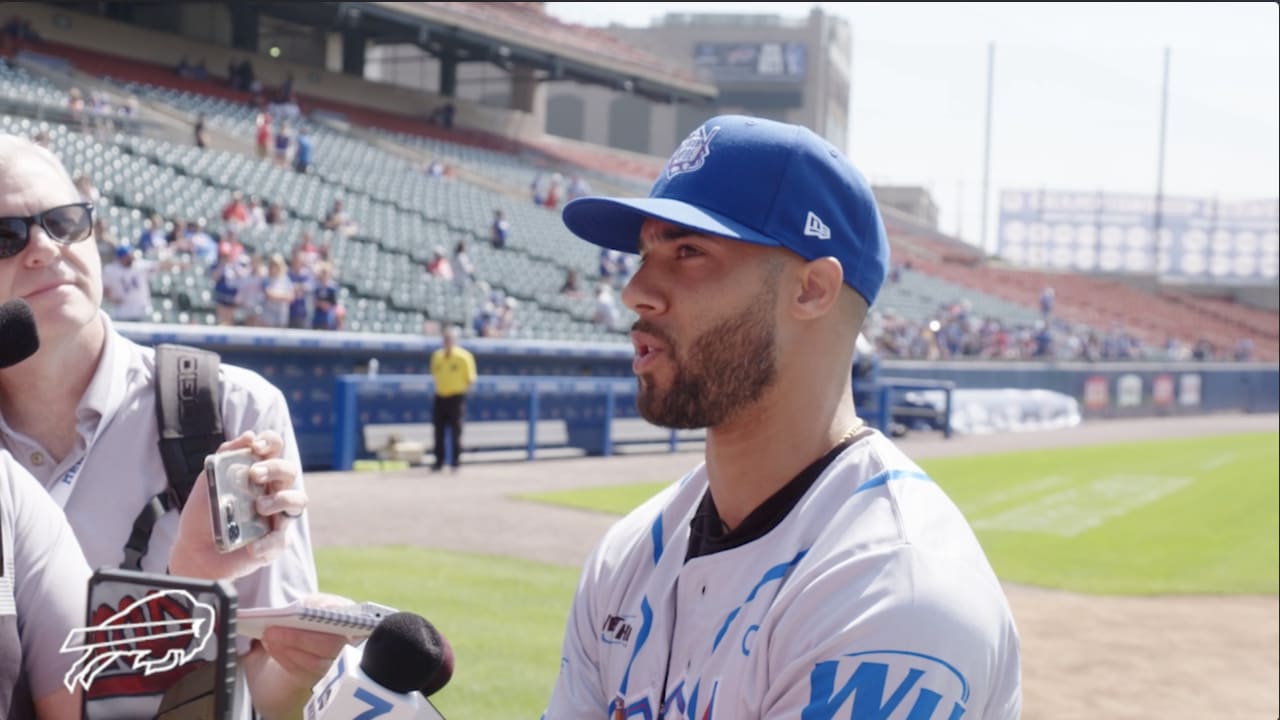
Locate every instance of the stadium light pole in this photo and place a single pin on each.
(986, 153)
(1164, 121)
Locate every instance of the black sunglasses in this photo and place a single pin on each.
(64, 224)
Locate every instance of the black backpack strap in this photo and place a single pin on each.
(189, 417)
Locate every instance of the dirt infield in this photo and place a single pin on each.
(1085, 657)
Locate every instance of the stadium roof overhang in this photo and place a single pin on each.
(445, 32)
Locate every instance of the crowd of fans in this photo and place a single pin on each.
(954, 332)
(248, 288)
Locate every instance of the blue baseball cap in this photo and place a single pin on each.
(759, 181)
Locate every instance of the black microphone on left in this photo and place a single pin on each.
(18, 337)
(388, 676)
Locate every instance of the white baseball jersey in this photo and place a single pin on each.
(116, 469)
(130, 288)
(43, 578)
(858, 591)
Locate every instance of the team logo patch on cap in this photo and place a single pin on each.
(692, 153)
(814, 227)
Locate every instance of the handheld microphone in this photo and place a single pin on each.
(388, 676)
(18, 337)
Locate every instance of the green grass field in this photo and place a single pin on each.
(1178, 516)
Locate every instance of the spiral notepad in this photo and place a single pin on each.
(353, 621)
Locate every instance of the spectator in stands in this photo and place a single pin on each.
(106, 241)
(337, 220)
(302, 278)
(88, 190)
(1243, 351)
(235, 214)
(284, 140)
(126, 285)
(307, 249)
(278, 293)
(201, 132)
(251, 294)
(1204, 350)
(607, 266)
(484, 323)
(75, 105)
(578, 187)
(41, 138)
(435, 168)
(227, 274)
(262, 133)
(464, 271)
(442, 115)
(286, 96)
(302, 156)
(1046, 301)
(152, 242)
(17, 30)
(505, 322)
(499, 230)
(200, 244)
(324, 299)
(536, 188)
(606, 315)
(551, 198)
(571, 287)
(257, 215)
(129, 115)
(275, 214)
(439, 265)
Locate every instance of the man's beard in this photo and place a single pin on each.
(727, 369)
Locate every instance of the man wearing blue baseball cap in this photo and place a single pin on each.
(807, 568)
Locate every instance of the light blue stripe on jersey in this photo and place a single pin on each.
(888, 475)
(777, 572)
(646, 613)
(655, 532)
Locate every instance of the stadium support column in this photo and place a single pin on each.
(353, 49)
(449, 72)
(524, 88)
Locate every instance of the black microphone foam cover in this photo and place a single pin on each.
(18, 338)
(406, 653)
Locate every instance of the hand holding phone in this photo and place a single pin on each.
(232, 500)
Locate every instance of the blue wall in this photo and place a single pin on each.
(304, 366)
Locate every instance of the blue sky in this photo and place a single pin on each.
(1076, 101)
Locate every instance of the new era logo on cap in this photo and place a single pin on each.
(814, 227)
(758, 181)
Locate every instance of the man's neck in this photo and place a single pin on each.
(754, 456)
(39, 396)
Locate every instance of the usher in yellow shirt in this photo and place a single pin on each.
(453, 373)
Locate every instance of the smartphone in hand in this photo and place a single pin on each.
(232, 497)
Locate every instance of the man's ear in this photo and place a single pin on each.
(818, 287)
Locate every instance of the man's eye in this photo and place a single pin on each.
(687, 251)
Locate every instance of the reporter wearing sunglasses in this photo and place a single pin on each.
(79, 415)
